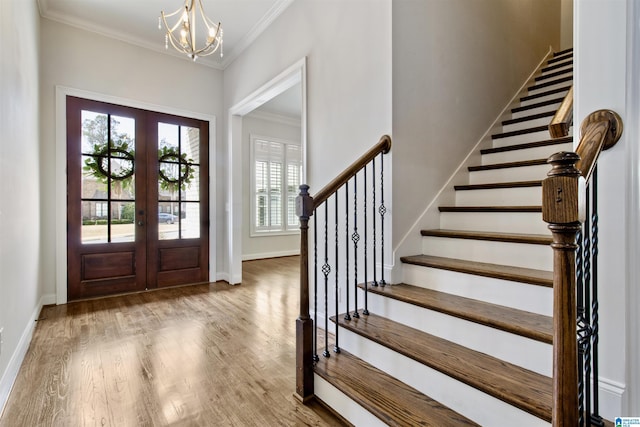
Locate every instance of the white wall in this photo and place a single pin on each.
(256, 247)
(90, 62)
(20, 206)
(600, 76)
(348, 46)
(456, 64)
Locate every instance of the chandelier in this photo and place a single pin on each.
(182, 35)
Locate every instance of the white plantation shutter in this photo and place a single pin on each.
(277, 167)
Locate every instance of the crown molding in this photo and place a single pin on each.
(272, 14)
(274, 117)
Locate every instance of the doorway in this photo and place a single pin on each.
(137, 199)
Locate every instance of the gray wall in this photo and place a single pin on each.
(456, 64)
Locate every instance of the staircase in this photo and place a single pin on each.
(467, 338)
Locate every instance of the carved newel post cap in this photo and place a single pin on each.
(304, 203)
(563, 164)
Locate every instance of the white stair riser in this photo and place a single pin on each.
(513, 174)
(543, 152)
(539, 257)
(525, 196)
(548, 88)
(530, 354)
(537, 110)
(505, 222)
(466, 400)
(521, 139)
(567, 71)
(343, 405)
(543, 121)
(543, 98)
(522, 296)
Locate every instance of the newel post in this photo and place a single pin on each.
(561, 210)
(304, 323)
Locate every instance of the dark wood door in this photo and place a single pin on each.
(137, 192)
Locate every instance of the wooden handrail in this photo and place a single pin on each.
(383, 146)
(305, 206)
(563, 118)
(560, 208)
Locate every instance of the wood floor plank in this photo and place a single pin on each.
(512, 384)
(200, 355)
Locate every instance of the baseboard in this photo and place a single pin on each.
(611, 395)
(251, 257)
(11, 373)
(222, 276)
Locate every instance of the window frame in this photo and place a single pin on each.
(285, 228)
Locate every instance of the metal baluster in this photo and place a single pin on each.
(373, 218)
(336, 347)
(382, 210)
(580, 322)
(347, 316)
(355, 237)
(586, 253)
(315, 287)
(326, 269)
(596, 419)
(366, 232)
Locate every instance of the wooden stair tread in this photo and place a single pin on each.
(551, 83)
(512, 384)
(498, 185)
(527, 145)
(537, 105)
(505, 272)
(389, 399)
(559, 64)
(563, 52)
(546, 93)
(520, 132)
(527, 118)
(519, 322)
(521, 163)
(551, 75)
(533, 239)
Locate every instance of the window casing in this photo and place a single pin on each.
(276, 170)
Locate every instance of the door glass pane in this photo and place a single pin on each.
(108, 166)
(190, 220)
(178, 181)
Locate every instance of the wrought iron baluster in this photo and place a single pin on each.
(326, 269)
(373, 218)
(315, 287)
(596, 419)
(586, 338)
(382, 210)
(347, 316)
(366, 232)
(580, 323)
(336, 347)
(355, 237)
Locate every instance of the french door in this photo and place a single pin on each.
(137, 199)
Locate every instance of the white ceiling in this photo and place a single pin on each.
(136, 21)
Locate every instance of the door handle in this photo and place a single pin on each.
(140, 223)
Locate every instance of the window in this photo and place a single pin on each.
(277, 170)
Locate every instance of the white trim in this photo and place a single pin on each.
(295, 74)
(632, 128)
(61, 174)
(13, 367)
(251, 257)
(611, 398)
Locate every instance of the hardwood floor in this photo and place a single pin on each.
(204, 355)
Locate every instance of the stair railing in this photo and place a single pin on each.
(569, 205)
(348, 231)
(563, 119)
